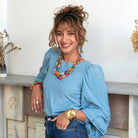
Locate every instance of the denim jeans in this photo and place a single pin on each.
(75, 129)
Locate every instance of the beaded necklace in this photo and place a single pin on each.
(67, 72)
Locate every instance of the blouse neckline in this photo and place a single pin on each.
(71, 62)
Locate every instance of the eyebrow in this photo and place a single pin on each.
(67, 31)
(71, 31)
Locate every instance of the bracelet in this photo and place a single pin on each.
(35, 83)
(70, 114)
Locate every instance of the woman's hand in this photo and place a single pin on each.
(61, 121)
(37, 101)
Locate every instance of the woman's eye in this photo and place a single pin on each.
(71, 33)
(59, 34)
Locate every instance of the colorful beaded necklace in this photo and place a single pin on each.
(67, 72)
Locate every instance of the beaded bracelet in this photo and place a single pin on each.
(35, 83)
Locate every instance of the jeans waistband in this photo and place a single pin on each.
(48, 118)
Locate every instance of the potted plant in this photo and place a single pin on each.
(6, 47)
(134, 37)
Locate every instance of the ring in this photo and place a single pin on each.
(37, 102)
(58, 127)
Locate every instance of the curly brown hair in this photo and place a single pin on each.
(74, 17)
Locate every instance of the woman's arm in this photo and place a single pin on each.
(62, 121)
(37, 96)
(80, 115)
(37, 101)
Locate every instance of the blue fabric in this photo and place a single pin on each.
(75, 129)
(84, 90)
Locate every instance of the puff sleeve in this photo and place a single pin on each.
(45, 65)
(94, 101)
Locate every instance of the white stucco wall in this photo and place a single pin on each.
(3, 14)
(109, 29)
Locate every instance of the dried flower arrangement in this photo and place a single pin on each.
(134, 37)
(6, 48)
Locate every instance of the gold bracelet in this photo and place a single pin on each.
(70, 114)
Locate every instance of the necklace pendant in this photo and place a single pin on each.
(62, 73)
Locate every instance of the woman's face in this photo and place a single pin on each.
(66, 39)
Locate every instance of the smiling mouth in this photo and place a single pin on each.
(66, 45)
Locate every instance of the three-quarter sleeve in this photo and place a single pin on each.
(94, 101)
(44, 68)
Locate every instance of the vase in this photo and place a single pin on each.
(3, 71)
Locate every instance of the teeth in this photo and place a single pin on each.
(66, 45)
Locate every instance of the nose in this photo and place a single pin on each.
(64, 38)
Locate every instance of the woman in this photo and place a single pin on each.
(75, 95)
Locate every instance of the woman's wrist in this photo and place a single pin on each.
(80, 115)
(70, 114)
(75, 114)
(37, 83)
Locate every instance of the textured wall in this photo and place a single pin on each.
(109, 29)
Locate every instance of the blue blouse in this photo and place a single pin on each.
(84, 90)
